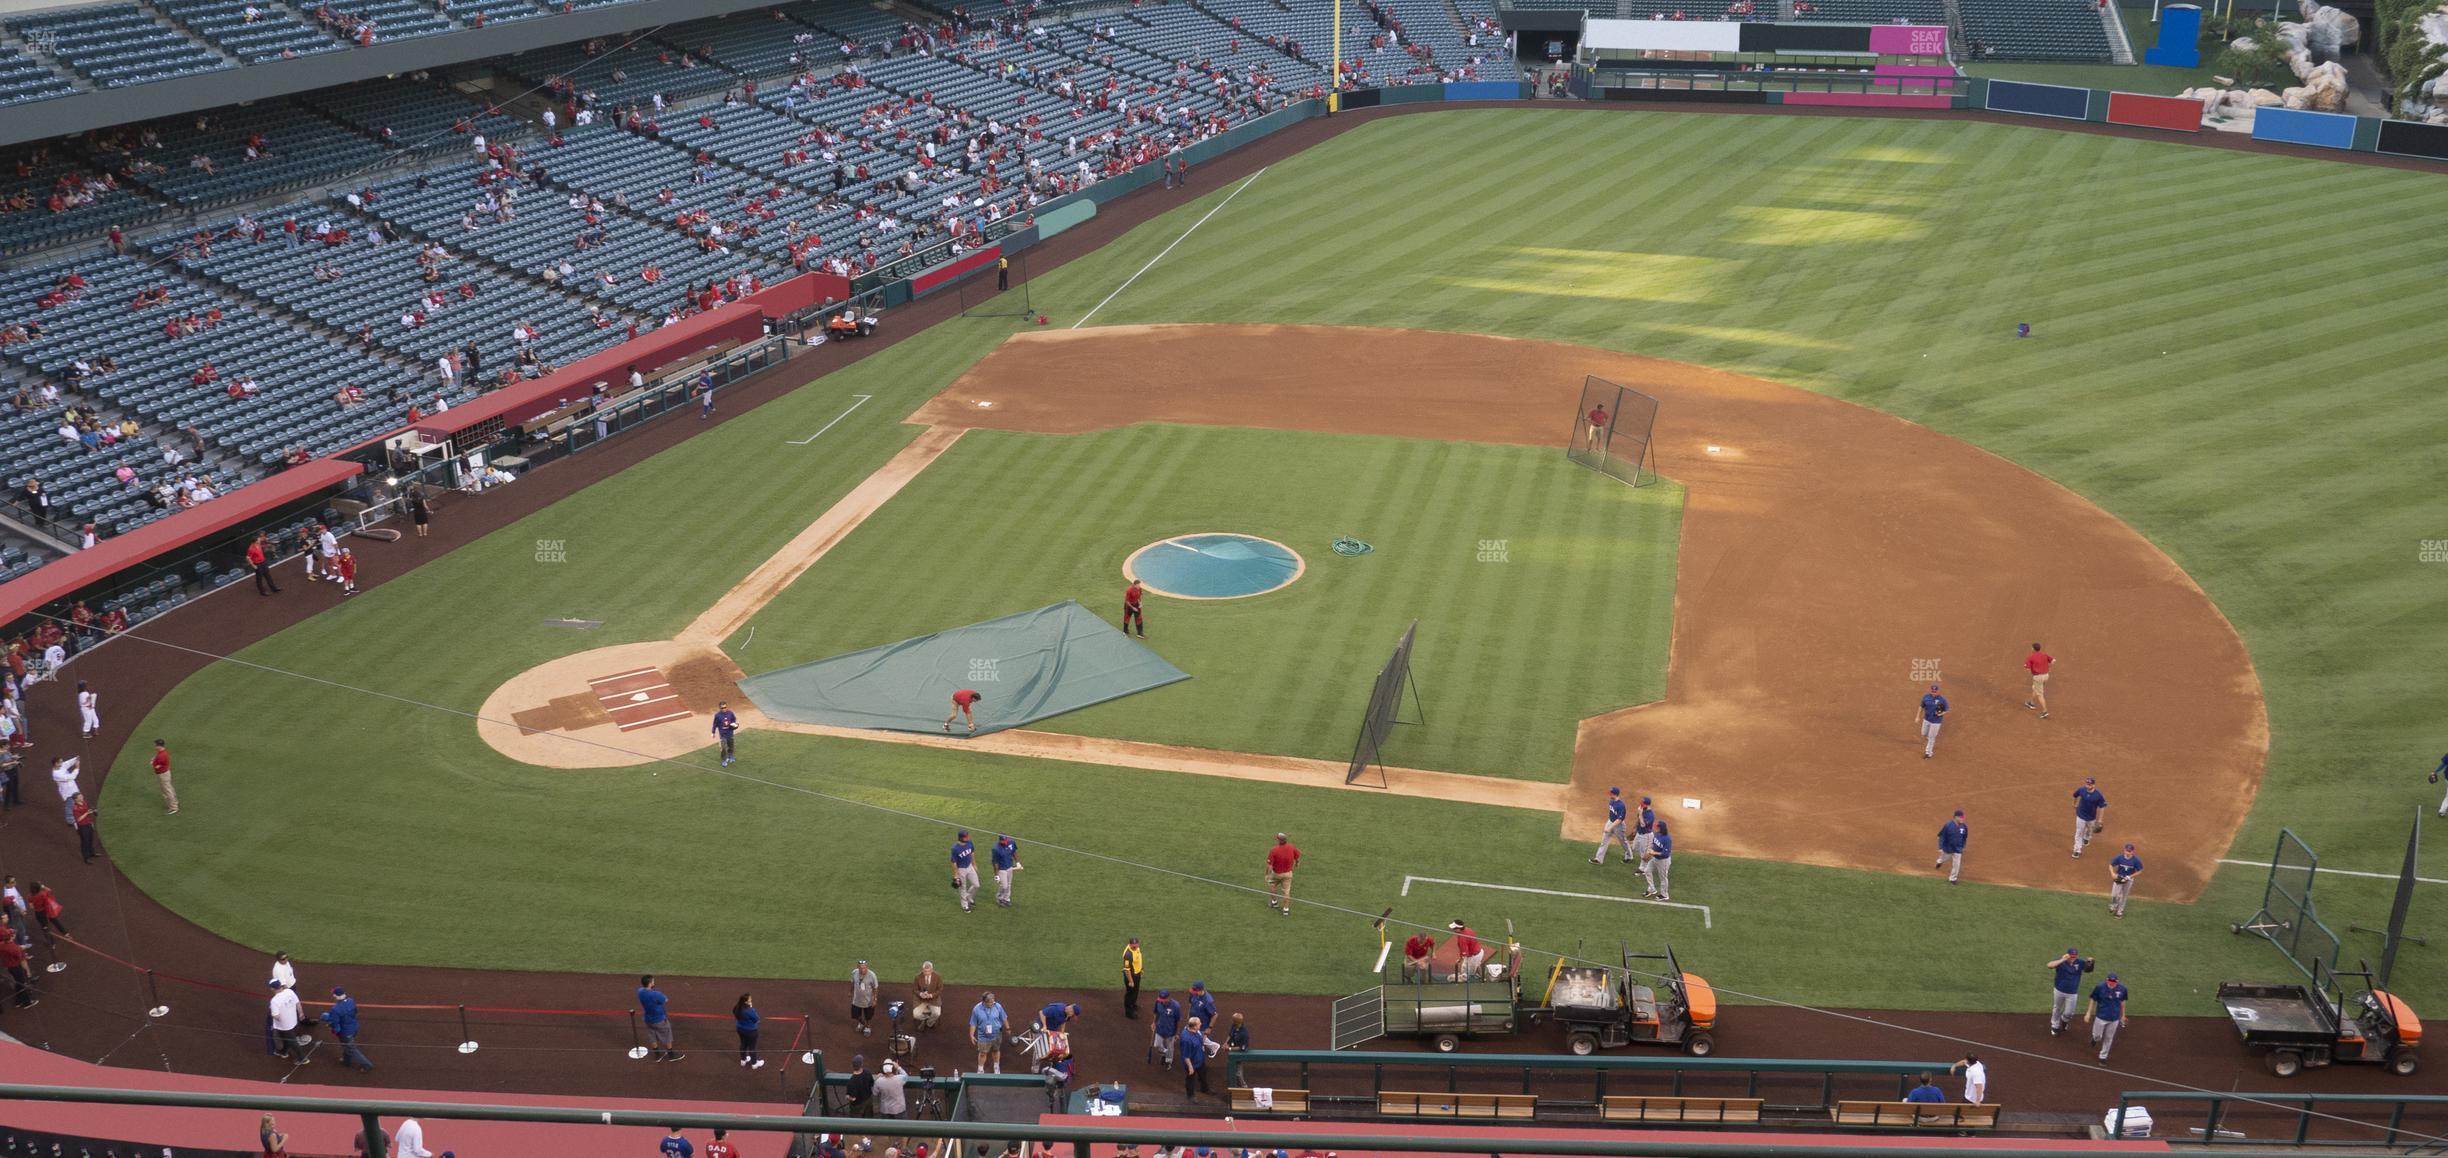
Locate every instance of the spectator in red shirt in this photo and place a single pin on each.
(13, 958)
(2038, 663)
(1280, 860)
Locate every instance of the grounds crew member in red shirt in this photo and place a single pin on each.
(962, 701)
(2038, 663)
(161, 776)
(348, 572)
(1467, 948)
(1130, 609)
(1280, 860)
(1417, 949)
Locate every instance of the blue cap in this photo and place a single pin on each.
(1198, 985)
(1164, 993)
(2112, 977)
(1614, 791)
(1959, 814)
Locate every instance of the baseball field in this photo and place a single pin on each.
(2207, 481)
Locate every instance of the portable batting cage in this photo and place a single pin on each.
(1612, 430)
(999, 289)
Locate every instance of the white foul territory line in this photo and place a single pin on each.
(862, 401)
(1126, 282)
(2262, 864)
(1707, 920)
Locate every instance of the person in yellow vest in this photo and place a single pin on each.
(1002, 274)
(1134, 967)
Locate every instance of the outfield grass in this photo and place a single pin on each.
(2282, 445)
(1506, 555)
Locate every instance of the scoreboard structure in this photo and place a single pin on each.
(1895, 65)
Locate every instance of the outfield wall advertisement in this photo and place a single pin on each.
(2039, 100)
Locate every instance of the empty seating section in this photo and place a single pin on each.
(1704, 9)
(1873, 11)
(1184, 34)
(419, 116)
(753, 43)
(118, 44)
(854, 20)
(543, 231)
(622, 75)
(374, 286)
(23, 78)
(2062, 30)
(298, 375)
(251, 32)
(292, 148)
(64, 196)
(478, 13)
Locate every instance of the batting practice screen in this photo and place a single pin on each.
(2288, 918)
(1612, 429)
(1385, 700)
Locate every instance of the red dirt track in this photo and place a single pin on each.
(1826, 548)
(95, 1011)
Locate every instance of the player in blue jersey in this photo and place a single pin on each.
(1932, 717)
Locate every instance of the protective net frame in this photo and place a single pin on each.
(1617, 447)
(1385, 711)
(979, 297)
(2289, 918)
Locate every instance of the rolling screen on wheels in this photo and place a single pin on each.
(1612, 429)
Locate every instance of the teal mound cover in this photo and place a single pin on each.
(1026, 667)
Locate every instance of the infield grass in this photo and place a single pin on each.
(1545, 591)
(2282, 442)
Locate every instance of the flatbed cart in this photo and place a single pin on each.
(1602, 1008)
(2325, 1022)
(1440, 1006)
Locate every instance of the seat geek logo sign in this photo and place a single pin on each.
(1908, 40)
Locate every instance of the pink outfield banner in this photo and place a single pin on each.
(1871, 100)
(1908, 39)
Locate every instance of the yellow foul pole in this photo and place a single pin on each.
(1334, 74)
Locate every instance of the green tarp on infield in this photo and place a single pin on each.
(1027, 667)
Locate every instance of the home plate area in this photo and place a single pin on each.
(639, 699)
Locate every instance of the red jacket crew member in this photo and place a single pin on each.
(1280, 860)
(1130, 609)
(1597, 425)
(962, 701)
(348, 572)
(1467, 949)
(2038, 663)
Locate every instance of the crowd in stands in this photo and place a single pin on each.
(664, 176)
